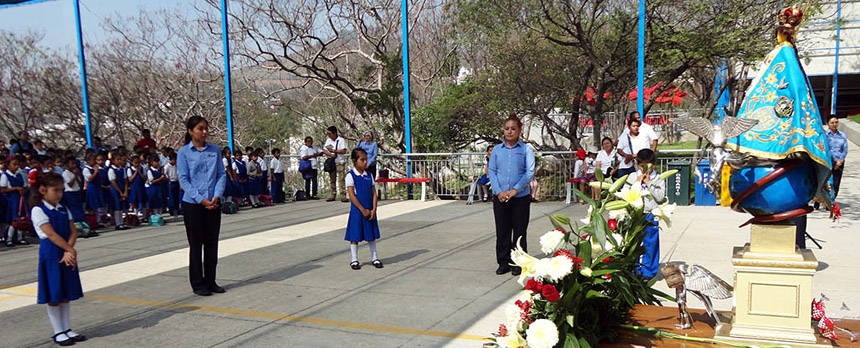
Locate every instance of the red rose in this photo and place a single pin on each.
(503, 331)
(612, 224)
(606, 260)
(607, 276)
(550, 293)
(534, 285)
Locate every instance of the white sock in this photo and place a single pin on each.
(253, 199)
(56, 318)
(10, 234)
(117, 217)
(65, 314)
(353, 248)
(372, 250)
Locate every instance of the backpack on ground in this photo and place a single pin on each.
(156, 220)
(265, 200)
(132, 220)
(300, 195)
(84, 230)
(230, 207)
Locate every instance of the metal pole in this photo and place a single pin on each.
(227, 90)
(640, 66)
(836, 64)
(83, 63)
(404, 19)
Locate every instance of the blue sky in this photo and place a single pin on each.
(56, 18)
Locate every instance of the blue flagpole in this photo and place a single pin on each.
(640, 78)
(836, 60)
(83, 63)
(227, 89)
(404, 14)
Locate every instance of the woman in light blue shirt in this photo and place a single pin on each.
(202, 177)
(511, 167)
(372, 150)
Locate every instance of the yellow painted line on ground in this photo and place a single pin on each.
(18, 288)
(276, 316)
(246, 313)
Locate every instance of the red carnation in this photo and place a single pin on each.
(606, 260)
(561, 230)
(503, 331)
(577, 260)
(612, 224)
(565, 253)
(607, 276)
(585, 236)
(550, 293)
(534, 285)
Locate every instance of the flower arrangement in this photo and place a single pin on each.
(582, 291)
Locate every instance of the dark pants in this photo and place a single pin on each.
(800, 231)
(512, 223)
(202, 227)
(837, 180)
(625, 171)
(311, 182)
(278, 187)
(372, 169)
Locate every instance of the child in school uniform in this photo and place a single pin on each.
(118, 189)
(104, 183)
(173, 192)
(277, 176)
(155, 181)
(254, 177)
(13, 188)
(231, 190)
(3, 160)
(264, 169)
(59, 281)
(73, 195)
(647, 178)
(579, 169)
(136, 177)
(588, 174)
(362, 224)
(92, 185)
(241, 176)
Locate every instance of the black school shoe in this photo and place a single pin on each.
(355, 265)
(503, 269)
(65, 343)
(515, 271)
(376, 263)
(78, 338)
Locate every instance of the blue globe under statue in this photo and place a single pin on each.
(792, 190)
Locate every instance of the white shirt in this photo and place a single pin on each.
(350, 182)
(87, 172)
(577, 168)
(276, 165)
(589, 165)
(644, 128)
(4, 182)
(631, 145)
(112, 173)
(308, 151)
(39, 218)
(657, 188)
(606, 159)
(234, 166)
(170, 172)
(338, 144)
(163, 160)
(68, 176)
(128, 172)
(150, 177)
(262, 163)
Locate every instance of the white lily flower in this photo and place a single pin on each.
(619, 215)
(664, 213)
(587, 219)
(633, 195)
(525, 261)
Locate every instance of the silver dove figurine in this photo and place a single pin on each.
(698, 281)
(717, 135)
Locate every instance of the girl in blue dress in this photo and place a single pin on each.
(232, 188)
(107, 200)
(92, 185)
(155, 184)
(118, 189)
(12, 189)
(136, 178)
(59, 281)
(241, 176)
(362, 224)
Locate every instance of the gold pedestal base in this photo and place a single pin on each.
(723, 333)
(773, 290)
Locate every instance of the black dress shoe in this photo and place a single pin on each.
(217, 289)
(515, 271)
(503, 269)
(203, 292)
(65, 343)
(78, 338)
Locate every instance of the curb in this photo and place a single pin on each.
(851, 129)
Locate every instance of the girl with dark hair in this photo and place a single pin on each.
(12, 190)
(59, 281)
(362, 225)
(202, 176)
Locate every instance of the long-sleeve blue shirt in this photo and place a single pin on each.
(838, 145)
(371, 149)
(512, 168)
(200, 172)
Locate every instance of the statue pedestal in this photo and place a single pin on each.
(773, 290)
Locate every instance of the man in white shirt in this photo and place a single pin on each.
(629, 145)
(335, 147)
(644, 128)
(277, 176)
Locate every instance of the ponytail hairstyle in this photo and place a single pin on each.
(192, 122)
(513, 117)
(49, 179)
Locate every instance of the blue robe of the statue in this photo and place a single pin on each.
(789, 122)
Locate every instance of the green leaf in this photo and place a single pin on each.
(564, 220)
(584, 197)
(583, 343)
(569, 320)
(571, 341)
(584, 250)
(616, 205)
(555, 223)
(618, 184)
(593, 294)
(600, 228)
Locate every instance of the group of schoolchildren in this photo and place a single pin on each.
(249, 175)
(105, 188)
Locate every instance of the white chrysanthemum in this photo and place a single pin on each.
(553, 268)
(550, 241)
(513, 317)
(633, 195)
(664, 213)
(619, 215)
(542, 333)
